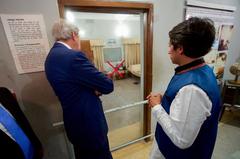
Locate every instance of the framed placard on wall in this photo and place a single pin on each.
(223, 17)
(27, 39)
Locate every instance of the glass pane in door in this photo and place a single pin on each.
(115, 44)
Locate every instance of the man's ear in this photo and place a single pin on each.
(180, 50)
(74, 36)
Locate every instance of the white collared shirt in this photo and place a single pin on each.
(64, 44)
(189, 109)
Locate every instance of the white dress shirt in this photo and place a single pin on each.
(64, 44)
(189, 109)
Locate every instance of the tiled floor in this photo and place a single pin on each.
(228, 140)
(139, 150)
(125, 134)
(125, 92)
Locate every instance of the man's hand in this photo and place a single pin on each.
(154, 99)
(97, 93)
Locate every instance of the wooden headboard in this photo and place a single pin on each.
(86, 48)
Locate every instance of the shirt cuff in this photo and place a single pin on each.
(157, 109)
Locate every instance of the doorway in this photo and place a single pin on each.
(132, 80)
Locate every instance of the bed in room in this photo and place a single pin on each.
(135, 70)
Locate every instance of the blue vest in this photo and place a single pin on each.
(203, 145)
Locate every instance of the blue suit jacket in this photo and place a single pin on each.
(74, 80)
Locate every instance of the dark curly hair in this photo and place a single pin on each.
(195, 35)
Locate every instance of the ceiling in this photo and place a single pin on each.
(102, 16)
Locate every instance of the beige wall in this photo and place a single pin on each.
(33, 91)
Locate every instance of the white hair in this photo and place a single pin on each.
(62, 30)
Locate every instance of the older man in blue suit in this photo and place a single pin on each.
(78, 84)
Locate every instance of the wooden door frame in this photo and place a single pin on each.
(129, 8)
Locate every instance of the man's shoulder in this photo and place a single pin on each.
(58, 46)
(78, 54)
(60, 50)
(62, 54)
